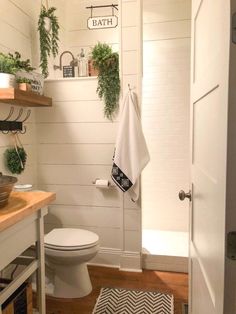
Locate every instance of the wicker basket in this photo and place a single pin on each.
(21, 301)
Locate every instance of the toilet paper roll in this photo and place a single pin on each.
(102, 184)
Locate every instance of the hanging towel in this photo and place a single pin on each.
(131, 153)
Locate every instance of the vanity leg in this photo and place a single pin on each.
(41, 270)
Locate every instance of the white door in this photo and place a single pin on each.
(211, 284)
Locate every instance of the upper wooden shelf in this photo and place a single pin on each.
(22, 98)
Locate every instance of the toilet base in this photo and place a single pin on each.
(71, 281)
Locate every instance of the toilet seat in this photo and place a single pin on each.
(70, 239)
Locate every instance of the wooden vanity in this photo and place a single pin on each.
(21, 225)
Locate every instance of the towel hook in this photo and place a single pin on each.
(19, 115)
(10, 114)
(27, 116)
(23, 132)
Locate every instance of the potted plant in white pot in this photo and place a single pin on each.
(8, 69)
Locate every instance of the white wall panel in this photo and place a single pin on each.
(84, 195)
(72, 174)
(168, 30)
(77, 133)
(85, 216)
(74, 154)
(73, 111)
(130, 61)
(72, 89)
(166, 10)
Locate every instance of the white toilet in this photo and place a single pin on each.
(67, 251)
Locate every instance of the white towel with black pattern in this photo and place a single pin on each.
(131, 153)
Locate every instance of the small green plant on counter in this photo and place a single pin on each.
(15, 159)
(20, 80)
(7, 64)
(48, 38)
(107, 64)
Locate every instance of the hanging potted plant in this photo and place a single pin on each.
(48, 28)
(8, 69)
(107, 64)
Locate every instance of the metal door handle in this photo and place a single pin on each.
(183, 195)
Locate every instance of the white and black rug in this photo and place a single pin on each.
(122, 301)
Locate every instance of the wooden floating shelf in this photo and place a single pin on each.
(19, 97)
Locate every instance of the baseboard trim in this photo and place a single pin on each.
(125, 261)
(165, 263)
(135, 261)
(131, 261)
(107, 257)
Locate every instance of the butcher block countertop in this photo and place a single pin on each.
(23, 204)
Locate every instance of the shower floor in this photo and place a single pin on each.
(165, 250)
(168, 243)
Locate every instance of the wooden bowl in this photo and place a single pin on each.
(6, 186)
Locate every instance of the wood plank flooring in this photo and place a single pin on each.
(175, 283)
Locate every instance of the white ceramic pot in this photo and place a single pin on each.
(7, 80)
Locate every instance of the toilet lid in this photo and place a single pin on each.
(70, 239)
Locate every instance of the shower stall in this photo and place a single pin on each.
(165, 119)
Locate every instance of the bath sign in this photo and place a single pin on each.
(99, 22)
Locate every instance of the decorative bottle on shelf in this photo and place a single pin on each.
(82, 64)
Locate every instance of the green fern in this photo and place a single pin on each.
(107, 63)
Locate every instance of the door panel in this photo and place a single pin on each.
(202, 301)
(209, 108)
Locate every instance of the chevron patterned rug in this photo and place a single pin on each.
(122, 301)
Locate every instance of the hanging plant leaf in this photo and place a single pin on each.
(107, 64)
(14, 160)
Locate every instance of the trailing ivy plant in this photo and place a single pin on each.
(48, 38)
(107, 64)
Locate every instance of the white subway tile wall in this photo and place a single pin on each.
(165, 112)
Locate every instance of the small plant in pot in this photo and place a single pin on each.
(8, 69)
(107, 63)
(23, 84)
(48, 28)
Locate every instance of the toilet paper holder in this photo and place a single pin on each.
(101, 183)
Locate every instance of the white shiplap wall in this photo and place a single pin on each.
(18, 26)
(76, 143)
(165, 112)
(75, 146)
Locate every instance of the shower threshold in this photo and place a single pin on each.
(165, 250)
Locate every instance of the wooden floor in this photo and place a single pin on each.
(174, 283)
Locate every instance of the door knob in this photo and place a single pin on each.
(183, 195)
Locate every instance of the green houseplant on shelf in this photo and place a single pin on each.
(107, 63)
(8, 69)
(24, 83)
(48, 28)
